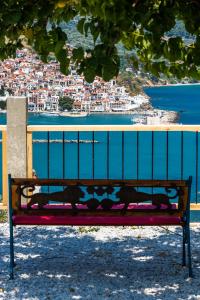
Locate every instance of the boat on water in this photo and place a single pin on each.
(50, 113)
(142, 120)
(120, 109)
(74, 113)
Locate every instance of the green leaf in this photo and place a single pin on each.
(135, 62)
(59, 46)
(14, 17)
(61, 55)
(80, 25)
(109, 70)
(43, 58)
(86, 27)
(64, 67)
(94, 31)
(89, 74)
(78, 53)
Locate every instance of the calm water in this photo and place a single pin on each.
(184, 99)
(97, 119)
(63, 161)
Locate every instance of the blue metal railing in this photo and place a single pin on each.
(119, 155)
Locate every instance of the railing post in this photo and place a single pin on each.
(17, 136)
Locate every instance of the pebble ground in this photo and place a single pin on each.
(98, 263)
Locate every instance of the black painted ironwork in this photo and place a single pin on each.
(48, 156)
(74, 195)
(197, 164)
(137, 155)
(63, 154)
(152, 155)
(182, 154)
(122, 154)
(167, 154)
(78, 154)
(108, 155)
(93, 161)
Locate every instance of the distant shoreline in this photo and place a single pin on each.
(170, 84)
(91, 113)
(94, 113)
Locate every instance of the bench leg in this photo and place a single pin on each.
(184, 250)
(189, 252)
(12, 263)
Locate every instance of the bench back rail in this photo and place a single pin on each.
(99, 197)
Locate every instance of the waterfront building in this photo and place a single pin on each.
(43, 84)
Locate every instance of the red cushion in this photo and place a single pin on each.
(148, 219)
(96, 220)
(135, 206)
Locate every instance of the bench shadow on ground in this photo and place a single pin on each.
(132, 266)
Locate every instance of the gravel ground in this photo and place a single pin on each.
(61, 263)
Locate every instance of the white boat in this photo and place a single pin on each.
(142, 120)
(50, 113)
(120, 109)
(74, 113)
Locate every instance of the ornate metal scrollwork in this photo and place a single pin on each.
(100, 190)
(73, 195)
(129, 195)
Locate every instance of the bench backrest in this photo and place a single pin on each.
(70, 196)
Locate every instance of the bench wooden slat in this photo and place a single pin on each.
(103, 182)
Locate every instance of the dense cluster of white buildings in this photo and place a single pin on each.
(43, 85)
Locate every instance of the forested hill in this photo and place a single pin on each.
(138, 78)
(76, 39)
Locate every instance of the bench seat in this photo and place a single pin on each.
(150, 218)
(97, 220)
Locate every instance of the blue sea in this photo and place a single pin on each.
(138, 159)
(184, 99)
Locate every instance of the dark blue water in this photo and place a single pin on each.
(98, 119)
(184, 99)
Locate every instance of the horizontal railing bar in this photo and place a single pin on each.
(195, 206)
(2, 206)
(171, 127)
(3, 127)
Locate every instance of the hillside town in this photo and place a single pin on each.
(44, 84)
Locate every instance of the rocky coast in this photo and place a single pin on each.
(148, 115)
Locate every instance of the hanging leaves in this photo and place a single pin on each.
(140, 26)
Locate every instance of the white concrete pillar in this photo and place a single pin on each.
(17, 136)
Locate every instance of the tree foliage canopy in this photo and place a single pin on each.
(2, 104)
(66, 103)
(140, 25)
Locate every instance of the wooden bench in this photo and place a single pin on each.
(100, 203)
